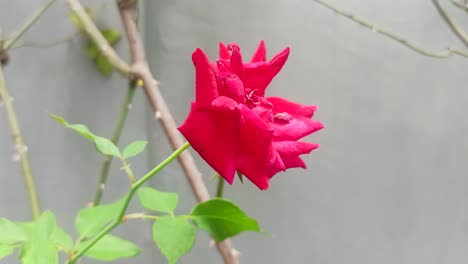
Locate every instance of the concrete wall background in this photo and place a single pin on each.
(387, 185)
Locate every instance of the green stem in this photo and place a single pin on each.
(132, 191)
(37, 14)
(115, 139)
(20, 147)
(220, 187)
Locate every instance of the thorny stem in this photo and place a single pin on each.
(129, 197)
(37, 14)
(126, 106)
(21, 149)
(365, 23)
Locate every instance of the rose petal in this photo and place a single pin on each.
(260, 53)
(281, 105)
(289, 152)
(205, 79)
(295, 128)
(224, 52)
(255, 148)
(231, 86)
(236, 64)
(259, 74)
(214, 135)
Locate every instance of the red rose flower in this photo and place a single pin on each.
(234, 127)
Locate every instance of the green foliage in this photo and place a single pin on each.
(39, 249)
(92, 50)
(81, 129)
(90, 221)
(134, 149)
(174, 236)
(103, 145)
(61, 239)
(10, 233)
(111, 248)
(155, 200)
(6, 250)
(222, 219)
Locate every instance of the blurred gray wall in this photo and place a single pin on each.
(387, 185)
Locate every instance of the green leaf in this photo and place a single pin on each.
(105, 146)
(10, 233)
(111, 35)
(92, 50)
(103, 64)
(40, 249)
(61, 239)
(174, 236)
(155, 200)
(6, 250)
(90, 221)
(134, 149)
(222, 219)
(81, 129)
(38, 252)
(111, 248)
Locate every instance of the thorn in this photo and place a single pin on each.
(90, 204)
(157, 115)
(212, 243)
(102, 186)
(129, 106)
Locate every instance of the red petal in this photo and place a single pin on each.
(214, 135)
(259, 74)
(295, 128)
(281, 105)
(289, 152)
(224, 52)
(236, 64)
(260, 53)
(231, 86)
(206, 85)
(255, 148)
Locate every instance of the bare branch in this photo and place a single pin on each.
(94, 33)
(463, 4)
(457, 30)
(16, 35)
(365, 23)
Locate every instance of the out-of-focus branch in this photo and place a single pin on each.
(463, 4)
(17, 35)
(90, 28)
(141, 69)
(365, 23)
(457, 30)
(21, 149)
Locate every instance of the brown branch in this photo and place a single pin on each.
(456, 29)
(142, 71)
